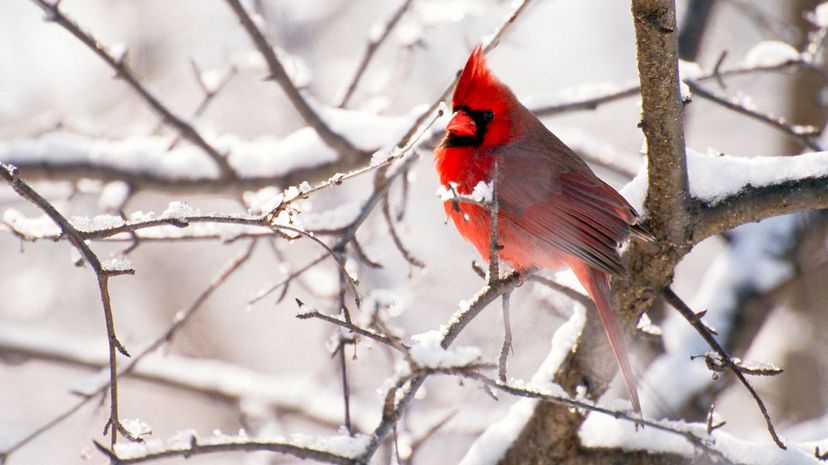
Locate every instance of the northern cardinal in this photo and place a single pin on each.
(553, 210)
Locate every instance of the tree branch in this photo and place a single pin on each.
(123, 71)
(374, 42)
(278, 73)
(662, 119)
(757, 203)
(804, 135)
(302, 452)
(182, 318)
(9, 174)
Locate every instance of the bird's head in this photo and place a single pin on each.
(482, 107)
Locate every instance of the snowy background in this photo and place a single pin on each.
(256, 367)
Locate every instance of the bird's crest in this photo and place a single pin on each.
(475, 81)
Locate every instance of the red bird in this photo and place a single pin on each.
(553, 210)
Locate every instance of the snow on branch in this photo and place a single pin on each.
(341, 144)
(339, 449)
(731, 190)
(118, 63)
(490, 446)
(291, 392)
(148, 161)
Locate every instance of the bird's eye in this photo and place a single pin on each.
(488, 115)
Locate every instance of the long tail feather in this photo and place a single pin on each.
(596, 283)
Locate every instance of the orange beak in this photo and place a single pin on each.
(462, 124)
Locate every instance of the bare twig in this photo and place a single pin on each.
(362, 255)
(350, 326)
(346, 388)
(210, 93)
(632, 90)
(375, 40)
(397, 402)
(287, 280)
(804, 135)
(407, 255)
(122, 70)
(9, 174)
(280, 75)
(577, 296)
(507, 339)
(726, 360)
(425, 436)
(181, 319)
(712, 425)
(343, 342)
(381, 186)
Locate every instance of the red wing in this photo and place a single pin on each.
(546, 190)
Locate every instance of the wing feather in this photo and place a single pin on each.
(545, 190)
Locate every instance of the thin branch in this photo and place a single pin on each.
(362, 255)
(577, 296)
(350, 326)
(122, 70)
(374, 43)
(395, 237)
(804, 135)
(346, 388)
(685, 311)
(396, 404)
(255, 221)
(286, 282)
(279, 74)
(181, 319)
(344, 341)
(210, 93)
(632, 90)
(302, 452)
(9, 174)
(507, 338)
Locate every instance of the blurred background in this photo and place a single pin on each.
(50, 82)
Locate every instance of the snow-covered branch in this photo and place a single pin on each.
(346, 149)
(122, 70)
(338, 450)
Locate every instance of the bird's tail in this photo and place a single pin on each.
(596, 283)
